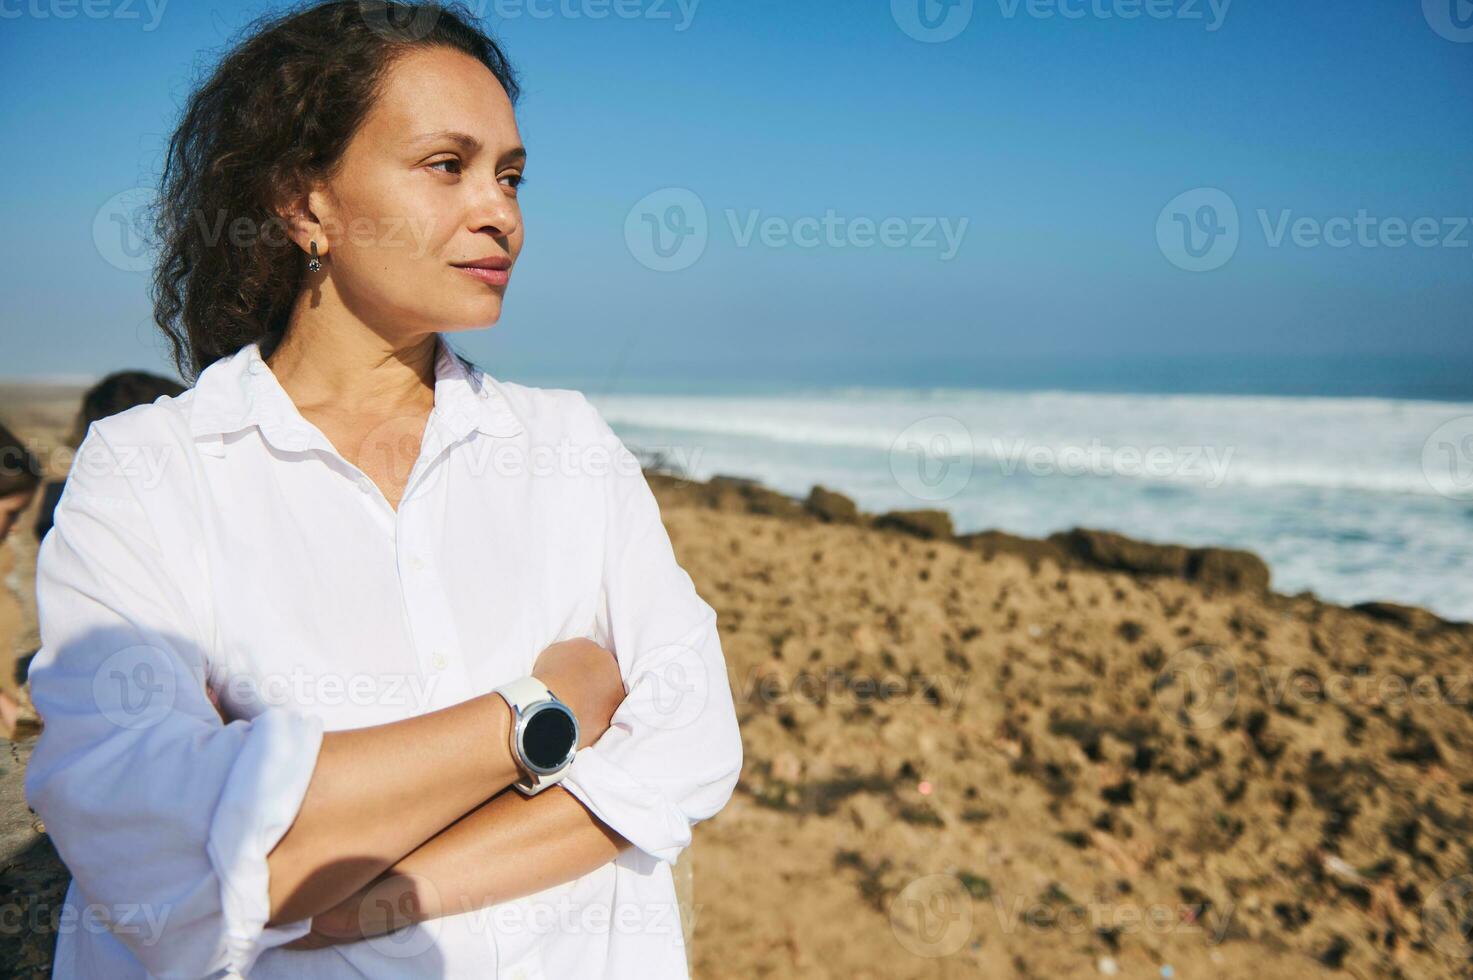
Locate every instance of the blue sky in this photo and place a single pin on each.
(1049, 137)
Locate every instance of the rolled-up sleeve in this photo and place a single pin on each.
(163, 813)
(672, 753)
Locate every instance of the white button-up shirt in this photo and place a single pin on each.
(219, 538)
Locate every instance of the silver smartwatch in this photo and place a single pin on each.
(544, 734)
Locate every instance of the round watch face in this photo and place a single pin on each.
(549, 737)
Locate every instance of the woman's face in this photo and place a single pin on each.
(426, 187)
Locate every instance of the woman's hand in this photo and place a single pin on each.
(586, 678)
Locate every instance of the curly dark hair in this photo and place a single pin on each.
(276, 113)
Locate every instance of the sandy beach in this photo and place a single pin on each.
(996, 756)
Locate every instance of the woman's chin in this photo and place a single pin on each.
(479, 318)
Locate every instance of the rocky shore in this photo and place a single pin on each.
(1081, 756)
(981, 754)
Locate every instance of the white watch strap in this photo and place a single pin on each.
(521, 694)
(524, 692)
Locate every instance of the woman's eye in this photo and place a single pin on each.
(451, 161)
(517, 180)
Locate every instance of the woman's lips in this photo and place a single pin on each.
(491, 277)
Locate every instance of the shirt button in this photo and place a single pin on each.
(440, 661)
(485, 393)
(416, 564)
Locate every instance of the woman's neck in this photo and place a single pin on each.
(352, 369)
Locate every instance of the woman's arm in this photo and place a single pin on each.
(425, 772)
(219, 828)
(673, 753)
(421, 773)
(507, 848)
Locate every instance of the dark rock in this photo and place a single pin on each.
(1032, 550)
(1105, 549)
(833, 507)
(758, 499)
(735, 494)
(727, 480)
(921, 523)
(1228, 568)
(1413, 618)
(1224, 568)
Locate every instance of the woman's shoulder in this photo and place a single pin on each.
(162, 421)
(143, 448)
(548, 413)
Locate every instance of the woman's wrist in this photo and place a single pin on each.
(503, 761)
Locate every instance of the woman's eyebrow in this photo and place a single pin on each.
(468, 143)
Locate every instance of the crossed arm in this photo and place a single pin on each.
(509, 847)
(274, 822)
(506, 847)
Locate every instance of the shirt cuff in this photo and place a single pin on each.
(640, 815)
(260, 801)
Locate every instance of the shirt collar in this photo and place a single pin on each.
(240, 391)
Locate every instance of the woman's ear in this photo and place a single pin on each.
(300, 216)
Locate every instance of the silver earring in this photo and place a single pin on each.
(314, 264)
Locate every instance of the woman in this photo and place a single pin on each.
(367, 552)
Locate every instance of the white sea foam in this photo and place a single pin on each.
(1332, 491)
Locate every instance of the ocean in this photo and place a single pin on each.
(1353, 498)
